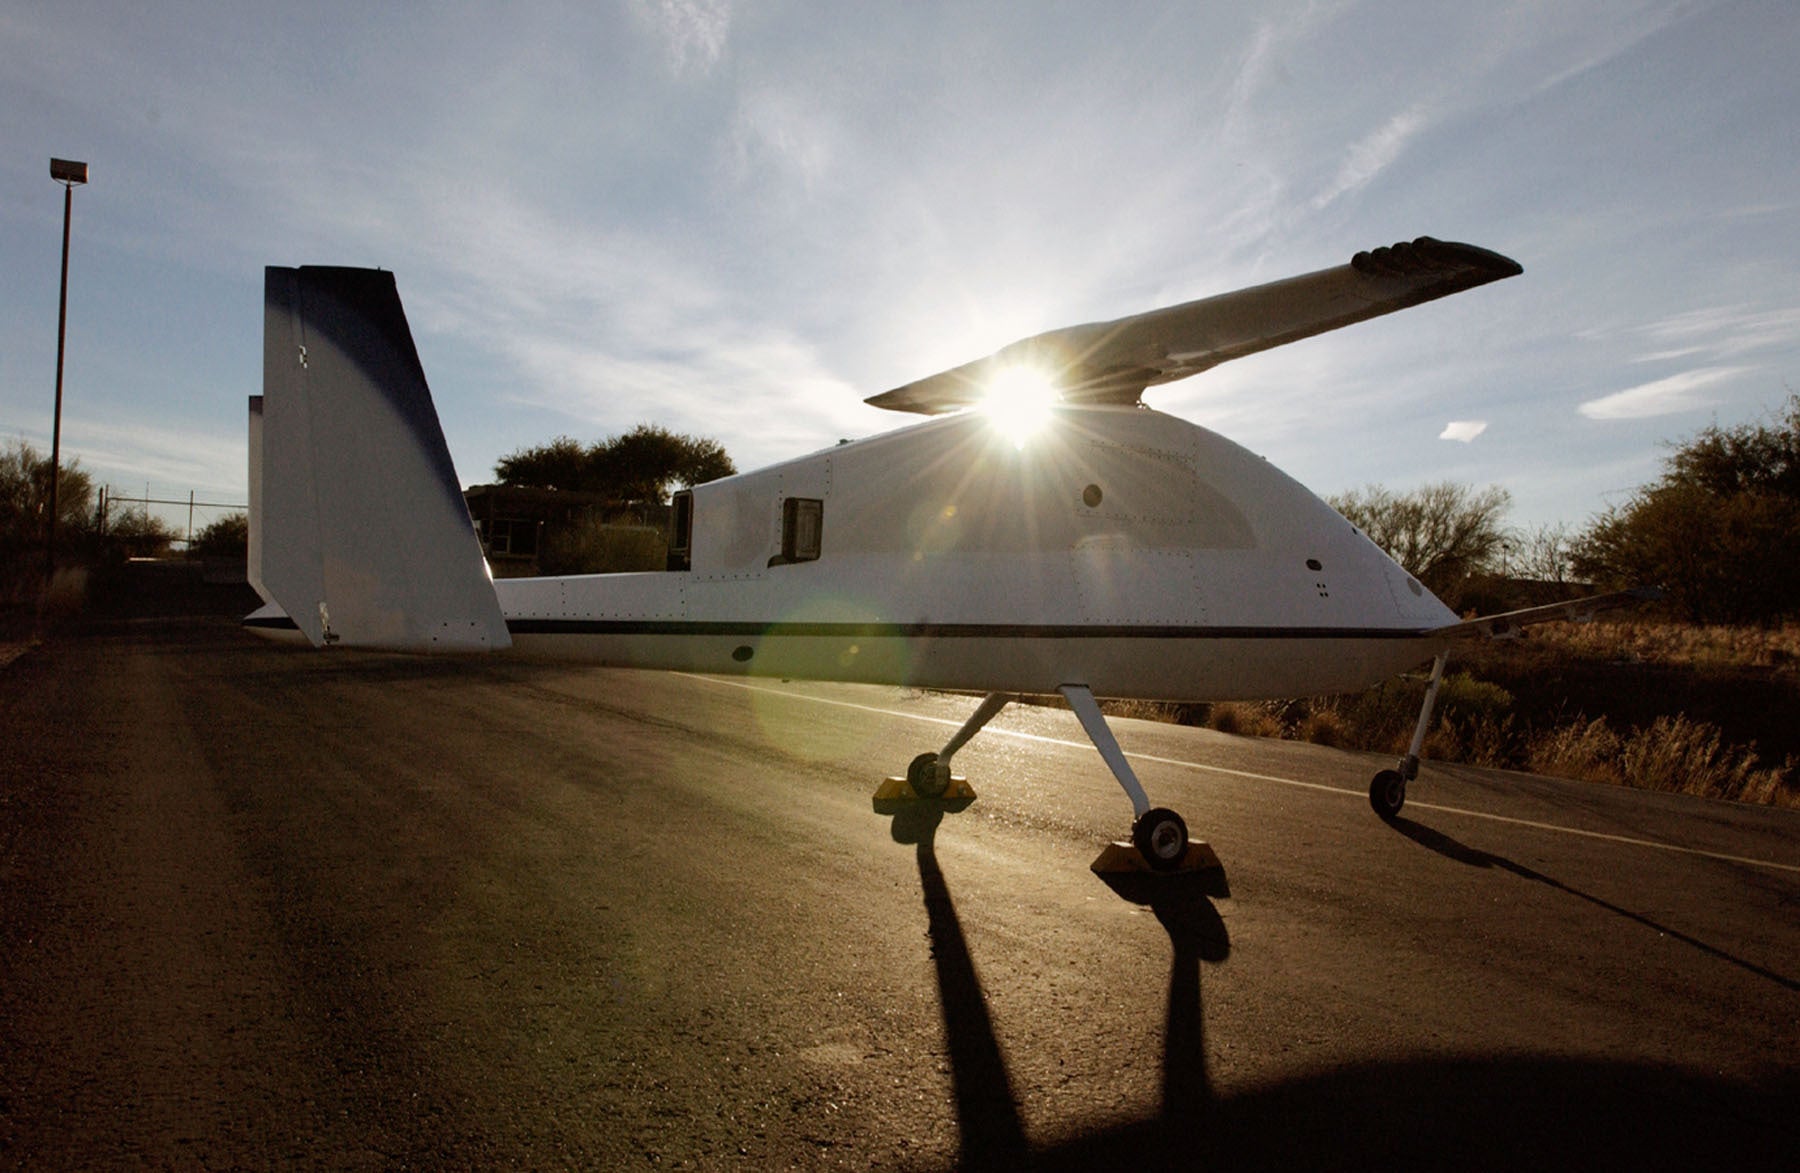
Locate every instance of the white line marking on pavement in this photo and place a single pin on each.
(1275, 778)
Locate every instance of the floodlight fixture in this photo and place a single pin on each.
(68, 172)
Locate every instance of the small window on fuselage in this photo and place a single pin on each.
(802, 527)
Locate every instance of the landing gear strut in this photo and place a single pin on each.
(928, 776)
(1387, 793)
(1159, 834)
(1159, 837)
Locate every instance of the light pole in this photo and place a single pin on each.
(71, 175)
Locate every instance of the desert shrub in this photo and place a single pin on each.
(1244, 718)
(1688, 757)
(225, 538)
(1225, 717)
(1673, 753)
(1324, 725)
(1773, 787)
(1165, 711)
(1585, 751)
(1461, 697)
(136, 533)
(1383, 718)
(1482, 738)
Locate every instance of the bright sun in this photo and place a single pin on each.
(1019, 400)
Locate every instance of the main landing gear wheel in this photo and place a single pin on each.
(1387, 793)
(925, 778)
(1161, 838)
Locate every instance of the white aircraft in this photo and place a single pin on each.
(1104, 550)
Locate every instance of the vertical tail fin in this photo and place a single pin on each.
(358, 527)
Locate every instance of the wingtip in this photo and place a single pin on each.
(1427, 254)
(905, 399)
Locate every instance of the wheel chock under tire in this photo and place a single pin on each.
(1123, 858)
(896, 794)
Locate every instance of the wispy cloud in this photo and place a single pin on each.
(785, 128)
(1251, 71)
(695, 31)
(165, 460)
(1661, 397)
(210, 461)
(1727, 330)
(1463, 430)
(1713, 333)
(1371, 155)
(723, 390)
(1604, 39)
(739, 220)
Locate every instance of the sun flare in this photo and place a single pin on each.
(1019, 400)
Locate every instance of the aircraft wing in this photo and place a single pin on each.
(1112, 362)
(1508, 623)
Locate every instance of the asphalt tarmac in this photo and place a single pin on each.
(267, 907)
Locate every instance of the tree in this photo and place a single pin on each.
(139, 534)
(1440, 534)
(227, 537)
(644, 462)
(1754, 458)
(1544, 554)
(560, 464)
(1719, 531)
(25, 497)
(640, 465)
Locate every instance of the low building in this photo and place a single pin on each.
(530, 531)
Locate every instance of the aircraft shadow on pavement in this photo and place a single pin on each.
(987, 1110)
(1449, 848)
(1473, 1113)
(993, 1135)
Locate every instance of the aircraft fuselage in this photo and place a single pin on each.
(1117, 548)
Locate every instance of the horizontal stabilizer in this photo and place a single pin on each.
(1112, 362)
(364, 539)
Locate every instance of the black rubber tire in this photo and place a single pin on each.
(1387, 793)
(923, 777)
(1161, 837)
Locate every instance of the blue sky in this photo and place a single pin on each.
(740, 217)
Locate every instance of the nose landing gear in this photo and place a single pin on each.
(1387, 793)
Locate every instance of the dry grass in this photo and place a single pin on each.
(1682, 644)
(1246, 719)
(1674, 753)
(1480, 723)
